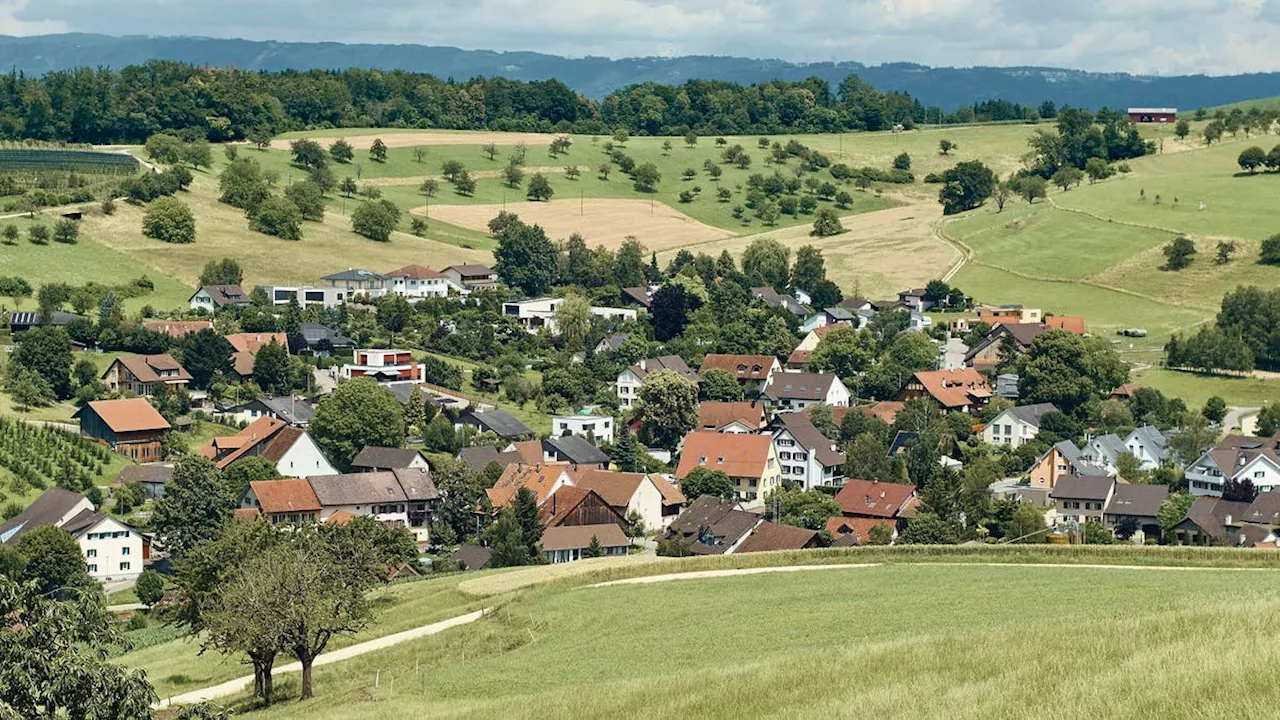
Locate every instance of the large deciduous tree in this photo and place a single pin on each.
(46, 351)
(667, 407)
(526, 258)
(359, 412)
(966, 186)
(1067, 370)
(765, 262)
(197, 505)
(168, 219)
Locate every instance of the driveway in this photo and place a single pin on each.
(1244, 419)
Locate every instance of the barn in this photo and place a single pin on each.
(1153, 115)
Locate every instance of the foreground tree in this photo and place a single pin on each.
(53, 563)
(46, 352)
(719, 385)
(359, 412)
(704, 481)
(526, 258)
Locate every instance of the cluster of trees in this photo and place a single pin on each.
(1242, 337)
(1252, 158)
(1081, 135)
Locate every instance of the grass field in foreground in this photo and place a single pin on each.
(893, 641)
(1195, 388)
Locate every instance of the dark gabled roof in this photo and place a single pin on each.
(354, 274)
(471, 269)
(578, 537)
(472, 557)
(223, 294)
(1137, 500)
(1032, 414)
(1111, 444)
(367, 488)
(773, 536)
(577, 450)
(710, 517)
(1210, 514)
(295, 411)
(479, 457)
(416, 483)
(32, 318)
(147, 474)
(1069, 451)
(613, 342)
(839, 313)
(1092, 487)
(315, 332)
(384, 458)
(639, 294)
(799, 386)
(810, 438)
(1264, 510)
(674, 363)
(500, 422)
(47, 509)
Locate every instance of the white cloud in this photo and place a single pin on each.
(1147, 36)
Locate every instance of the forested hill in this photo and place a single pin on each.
(948, 88)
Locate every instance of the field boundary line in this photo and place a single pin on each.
(729, 572)
(1102, 566)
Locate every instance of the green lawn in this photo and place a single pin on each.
(1195, 388)
(528, 414)
(999, 642)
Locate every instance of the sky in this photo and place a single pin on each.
(1161, 37)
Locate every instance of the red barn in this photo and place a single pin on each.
(1153, 115)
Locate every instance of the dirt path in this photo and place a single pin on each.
(232, 687)
(704, 574)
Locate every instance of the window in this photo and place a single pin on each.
(800, 456)
(91, 553)
(784, 456)
(125, 566)
(124, 550)
(754, 482)
(786, 443)
(93, 568)
(1008, 429)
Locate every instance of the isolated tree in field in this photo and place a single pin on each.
(1179, 253)
(1067, 176)
(308, 198)
(38, 234)
(359, 412)
(946, 146)
(646, 177)
(668, 408)
(490, 151)
(418, 226)
(321, 175)
(168, 219)
(902, 162)
(1097, 169)
(604, 170)
(378, 151)
(376, 219)
(666, 147)
(341, 151)
(1271, 251)
(826, 224)
(429, 187)
(164, 148)
(196, 506)
(1224, 251)
(198, 153)
(621, 136)
(348, 186)
(844, 200)
(419, 154)
(243, 184)
(967, 186)
(690, 139)
(518, 153)
(370, 191)
(1182, 129)
(1032, 187)
(452, 169)
(464, 184)
(572, 172)
(703, 481)
(66, 231)
(307, 153)
(278, 217)
(512, 175)
(1252, 158)
(1273, 158)
(1213, 132)
(260, 138)
(10, 234)
(559, 146)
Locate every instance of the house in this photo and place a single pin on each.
(472, 277)
(1002, 343)
(212, 298)
(416, 282)
(885, 410)
(1211, 521)
(373, 459)
(752, 371)
(306, 296)
(385, 366)
(322, 340)
(246, 347)
(499, 422)
(778, 301)
(919, 322)
(23, 320)
(1071, 323)
(815, 336)
(637, 296)
(542, 479)
(1125, 391)
(1149, 446)
(575, 450)
(145, 375)
(1136, 504)
(478, 458)
(873, 500)
(177, 329)
(773, 537)
(806, 456)
(295, 411)
(292, 450)
(111, 549)
(629, 380)
(731, 417)
(799, 390)
(963, 390)
(712, 526)
(914, 299)
(596, 428)
(571, 505)
(833, 317)
(749, 460)
(650, 496)
(1238, 458)
(357, 281)
(1008, 314)
(1140, 115)
(538, 313)
(130, 426)
(152, 478)
(1062, 460)
(1104, 451)
(472, 557)
(290, 500)
(847, 531)
(610, 343)
(1017, 425)
(1080, 500)
(1007, 386)
(563, 544)
(401, 497)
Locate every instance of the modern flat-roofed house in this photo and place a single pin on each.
(130, 426)
(306, 295)
(111, 549)
(597, 428)
(472, 277)
(145, 375)
(1158, 115)
(357, 281)
(537, 313)
(629, 380)
(384, 366)
(210, 298)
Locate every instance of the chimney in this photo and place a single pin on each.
(1227, 520)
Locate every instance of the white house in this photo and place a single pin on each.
(416, 282)
(211, 297)
(1237, 457)
(1148, 445)
(653, 497)
(111, 549)
(1104, 451)
(831, 316)
(629, 380)
(292, 450)
(384, 366)
(597, 428)
(404, 497)
(306, 295)
(472, 277)
(1016, 426)
(806, 456)
(541, 312)
(799, 390)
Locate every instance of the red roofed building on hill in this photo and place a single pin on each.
(965, 390)
(752, 371)
(130, 426)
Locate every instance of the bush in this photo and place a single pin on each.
(149, 587)
(169, 220)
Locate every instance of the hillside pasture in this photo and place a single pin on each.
(361, 138)
(602, 222)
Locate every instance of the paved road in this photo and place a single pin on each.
(233, 687)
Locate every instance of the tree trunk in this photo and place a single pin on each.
(268, 683)
(306, 677)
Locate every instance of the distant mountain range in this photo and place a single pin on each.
(595, 77)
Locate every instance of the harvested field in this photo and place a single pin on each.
(602, 222)
(403, 138)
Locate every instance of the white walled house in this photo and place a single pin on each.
(385, 366)
(1237, 457)
(1148, 445)
(629, 380)
(806, 456)
(306, 295)
(292, 450)
(798, 390)
(538, 313)
(653, 497)
(415, 282)
(598, 428)
(1016, 426)
(404, 497)
(211, 297)
(111, 549)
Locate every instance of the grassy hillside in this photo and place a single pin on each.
(809, 644)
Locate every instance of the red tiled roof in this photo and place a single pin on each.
(128, 415)
(415, 272)
(252, 342)
(858, 529)
(752, 367)
(285, 496)
(769, 536)
(1070, 323)
(538, 477)
(177, 328)
(954, 388)
(263, 429)
(733, 454)
(868, 498)
(146, 368)
(714, 414)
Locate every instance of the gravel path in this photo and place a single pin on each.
(232, 687)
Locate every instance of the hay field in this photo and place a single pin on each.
(601, 221)
(360, 138)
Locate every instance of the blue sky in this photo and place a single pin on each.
(1143, 36)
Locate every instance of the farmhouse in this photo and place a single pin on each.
(964, 390)
(752, 371)
(24, 320)
(542, 479)
(1211, 521)
(292, 450)
(563, 544)
(152, 478)
(750, 461)
(629, 380)
(1145, 115)
(290, 500)
(571, 505)
(403, 497)
(130, 426)
(650, 496)
(712, 526)
(1017, 425)
(111, 549)
(799, 390)
(873, 500)
(145, 374)
(373, 459)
